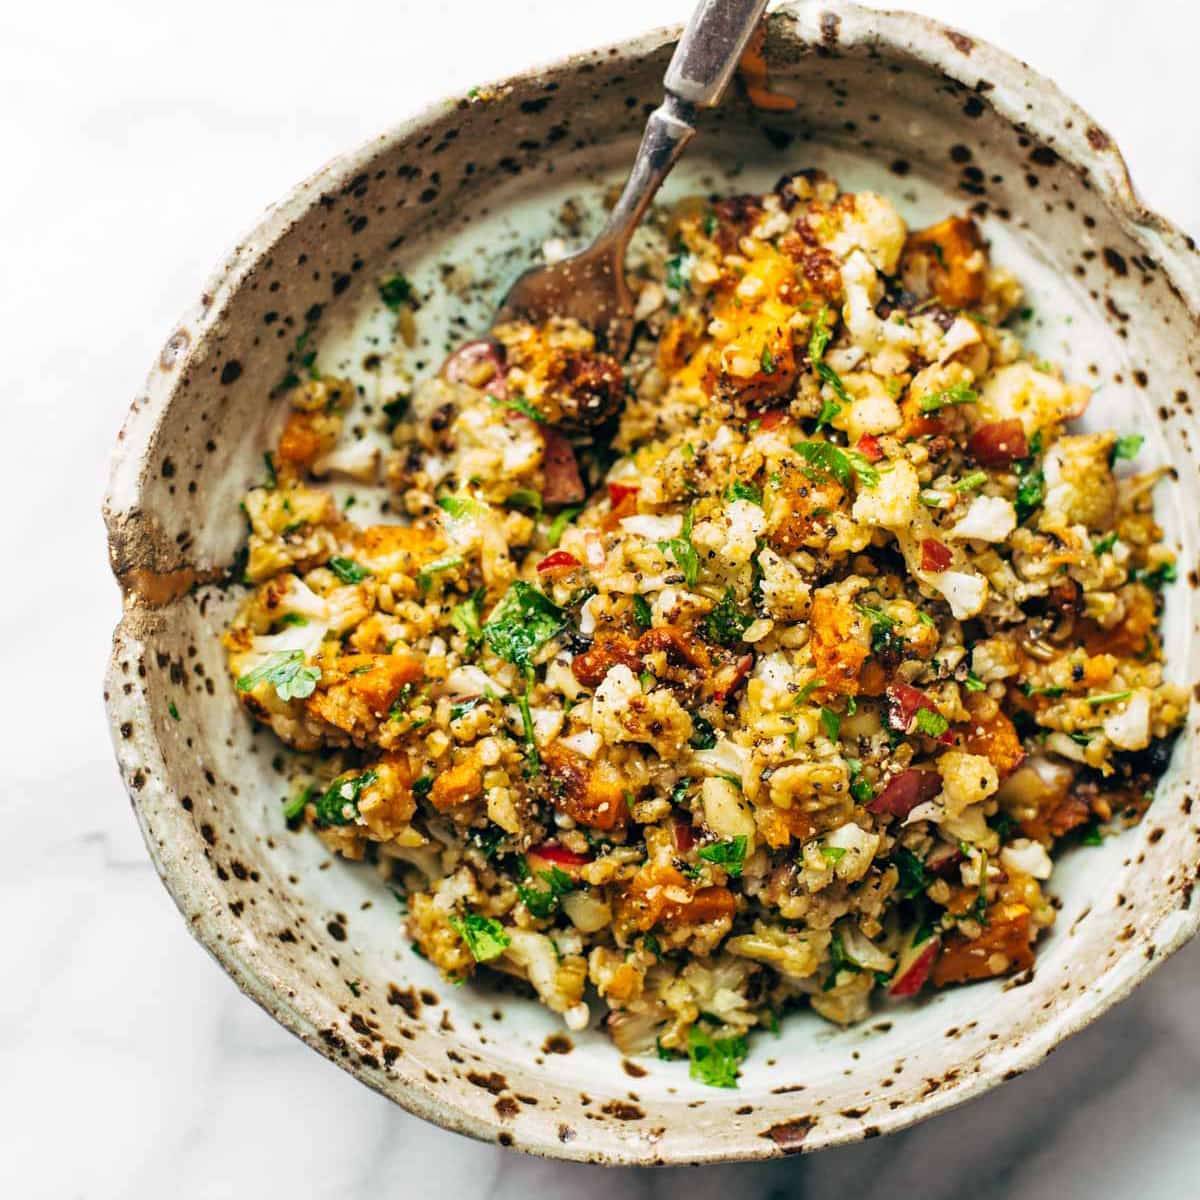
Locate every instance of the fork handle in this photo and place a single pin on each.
(708, 52)
(697, 76)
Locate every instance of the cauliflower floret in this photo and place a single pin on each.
(859, 849)
(894, 501)
(727, 812)
(873, 226)
(989, 519)
(1033, 397)
(966, 779)
(966, 593)
(558, 983)
(1027, 857)
(1080, 488)
(1130, 728)
(288, 528)
(621, 712)
(994, 658)
(873, 410)
(731, 537)
(785, 593)
(796, 953)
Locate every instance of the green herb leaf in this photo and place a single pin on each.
(914, 878)
(819, 337)
(294, 808)
(559, 524)
(767, 362)
(521, 405)
(683, 553)
(936, 401)
(1031, 482)
(679, 271)
(347, 570)
(974, 683)
(541, 902)
(1127, 446)
(827, 460)
(465, 617)
(834, 854)
(860, 789)
(286, 672)
(395, 291)
(730, 854)
(704, 736)
(715, 1061)
(1092, 835)
(738, 490)
(641, 612)
(338, 805)
(838, 962)
(725, 624)
(422, 787)
(931, 723)
(459, 507)
(1108, 698)
(484, 936)
(272, 479)
(1163, 574)
(173, 711)
(425, 574)
(832, 723)
(526, 498)
(523, 622)
(968, 483)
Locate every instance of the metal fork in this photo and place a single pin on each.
(590, 285)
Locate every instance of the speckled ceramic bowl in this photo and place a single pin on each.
(885, 100)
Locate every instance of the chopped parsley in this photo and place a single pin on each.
(936, 401)
(726, 623)
(1092, 835)
(523, 622)
(1031, 482)
(173, 710)
(930, 722)
(459, 507)
(1052, 691)
(825, 460)
(704, 736)
(338, 804)
(715, 1061)
(422, 787)
(968, 483)
(542, 902)
(860, 788)
(738, 490)
(521, 405)
(559, 524)
(767, 362)
(1108, 698)
(347, 570)
(484, 936)
(974, 683)
(1162, 574)
(834, 854)
(294, 808)
(465, 617)
(526, 498)
(272, 479)
(425, 574)
(395, 291)
(914, 878)
(832, 723)
(1105, 544)
(838, 962)
(286, 672)
(682, 552)
(641, 612)
(679, 271)
(730, 854)
(1127, 446)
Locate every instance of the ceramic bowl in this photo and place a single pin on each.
(460, 198)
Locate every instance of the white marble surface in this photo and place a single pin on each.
(138, 139)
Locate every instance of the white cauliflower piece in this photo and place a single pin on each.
(726, 811)
(731, 537)
(860, 849)
(966, 779)
(873, 226)
(966, 593)
(989, 519)
(1027, 857)
(785, 592)
(894, 502)
(1035, 398)
(795, 953)
(1080, 488)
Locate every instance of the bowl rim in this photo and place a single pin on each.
(1059, 123)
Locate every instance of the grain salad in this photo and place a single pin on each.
(767, 668)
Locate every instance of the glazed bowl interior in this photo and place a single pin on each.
(460, 199)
